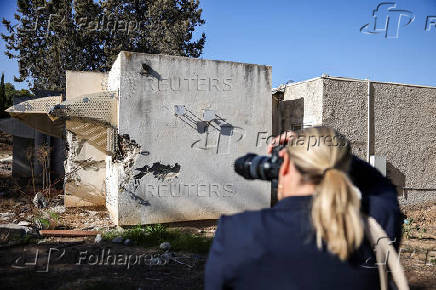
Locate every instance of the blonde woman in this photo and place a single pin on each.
(313, 238)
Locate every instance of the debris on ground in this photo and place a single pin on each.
(118, 240)
(57, 209)
(39, 200)
(24, 223)
(98, 239)
(418, 247)
(165, 246)
(21, 217)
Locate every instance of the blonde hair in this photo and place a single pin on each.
(323, 156)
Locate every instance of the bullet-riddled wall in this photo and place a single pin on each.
(401, 127)
(182, 123)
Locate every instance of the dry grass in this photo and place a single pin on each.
(418, 248)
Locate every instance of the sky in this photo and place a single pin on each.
(305, 39)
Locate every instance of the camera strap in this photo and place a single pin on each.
(386, 255)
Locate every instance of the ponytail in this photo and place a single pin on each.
(336, 214)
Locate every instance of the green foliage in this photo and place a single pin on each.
(7, 95)
(189, 242)
(53, 36)
(54, 216)
(3, 103)
(154, 235)
(47, 219)
(12, 93)
(43, 221)
(407, 227)
(411, 230)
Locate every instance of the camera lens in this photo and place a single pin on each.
(242, 165)
(252, 166)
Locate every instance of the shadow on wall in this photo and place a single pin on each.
(291, 113)
(287, 116)
(396, 176)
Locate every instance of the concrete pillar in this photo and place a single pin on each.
(57, 159)
(20, 162)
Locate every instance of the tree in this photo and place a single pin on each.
(58, 35)
(7, 95)
(11, 93)
(2, 94)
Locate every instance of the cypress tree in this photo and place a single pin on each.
(53, 36)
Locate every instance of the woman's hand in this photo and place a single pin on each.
(281, 139)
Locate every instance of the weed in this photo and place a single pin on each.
(154, 235)
(47, 220)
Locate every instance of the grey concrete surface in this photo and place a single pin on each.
(85, 165)
(345, 109)
(402, 122)
(182, 167)
(20, 162)
(17, 128)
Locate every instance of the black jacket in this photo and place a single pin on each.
(275, 248)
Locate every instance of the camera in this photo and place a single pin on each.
(253, 166)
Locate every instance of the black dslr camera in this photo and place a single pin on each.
(252, 166)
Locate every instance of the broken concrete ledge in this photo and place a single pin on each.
(13, 232)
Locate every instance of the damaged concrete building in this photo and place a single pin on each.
(154, 139)
(27, 142)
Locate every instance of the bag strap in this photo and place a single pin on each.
(386, 255)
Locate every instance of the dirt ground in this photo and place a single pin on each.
(418, 247)
(79, 263)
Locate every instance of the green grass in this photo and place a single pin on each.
(154, 235)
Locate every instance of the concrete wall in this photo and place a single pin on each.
(21, 163)
(85, 166)
(403, 129)
(345, 109)
(23, 141)
(115, 166)
(182, 166)
(85, 169)
(402, 126)
(298, 105)
(79, 83)
(405, 132)
(307, 95)
(277, 98)
(17, 128)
